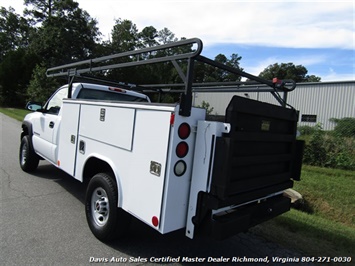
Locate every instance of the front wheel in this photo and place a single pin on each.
(105, 220)
(28, 158)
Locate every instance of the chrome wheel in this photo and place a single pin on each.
(105, 219)
(100, 207)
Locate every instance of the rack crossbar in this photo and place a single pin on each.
(169, 53)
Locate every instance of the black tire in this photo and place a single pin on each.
(28, 158)
(106, 221)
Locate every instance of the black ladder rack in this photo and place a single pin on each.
(187, 87)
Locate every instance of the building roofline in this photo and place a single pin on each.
(303, 84)
(326, 82)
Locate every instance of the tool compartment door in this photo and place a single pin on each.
(113, 125)
(68, 137)
(146, 166)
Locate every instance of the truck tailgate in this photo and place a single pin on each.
(249, 168)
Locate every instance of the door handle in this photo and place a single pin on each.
(51, 124)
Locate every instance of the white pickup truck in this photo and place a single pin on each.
(166, 164)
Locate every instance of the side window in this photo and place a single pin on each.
(55, 103)
(90, 94)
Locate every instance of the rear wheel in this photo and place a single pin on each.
(28, 158)
(105, 220)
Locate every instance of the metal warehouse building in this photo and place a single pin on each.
(316, 101)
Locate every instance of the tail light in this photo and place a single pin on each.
(184, 131)
(182, 149)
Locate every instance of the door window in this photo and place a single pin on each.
(55, 103)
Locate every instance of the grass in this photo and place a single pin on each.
(311, 236)
(323, 225)
(329, 193)
(17, 114)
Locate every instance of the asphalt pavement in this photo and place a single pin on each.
(42, 222)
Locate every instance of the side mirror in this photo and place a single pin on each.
(33, 106)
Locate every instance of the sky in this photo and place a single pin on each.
(320, 35)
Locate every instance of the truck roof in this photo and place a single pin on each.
(103, 92)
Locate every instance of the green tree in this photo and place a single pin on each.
(147, 37)
(166, 36)
(232, 62)
(15, 73)
(52, 32)
(66, 32)
(16, 63)
(41, 87)
(41, 10)
(288, 71)
(207, 73)
(124, 36)
(14, 31)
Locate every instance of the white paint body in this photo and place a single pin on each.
(139, 143)
(129, 138)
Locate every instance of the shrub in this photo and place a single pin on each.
(306, 130)
(345, 127)
(329, 149)
(206, 105)
(315, 152)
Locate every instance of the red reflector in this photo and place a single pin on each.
(181, 149)
(155, 221)
(172, 119)
(184, 131)
(276, 81)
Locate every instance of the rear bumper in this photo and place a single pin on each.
(227, 223)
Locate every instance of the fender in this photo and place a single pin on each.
(96, 163)
(27, 130)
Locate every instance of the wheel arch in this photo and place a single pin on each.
(26, 129)
(95, 165)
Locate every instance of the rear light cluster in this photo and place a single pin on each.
(182, 149)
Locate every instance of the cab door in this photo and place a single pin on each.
(45, 127)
